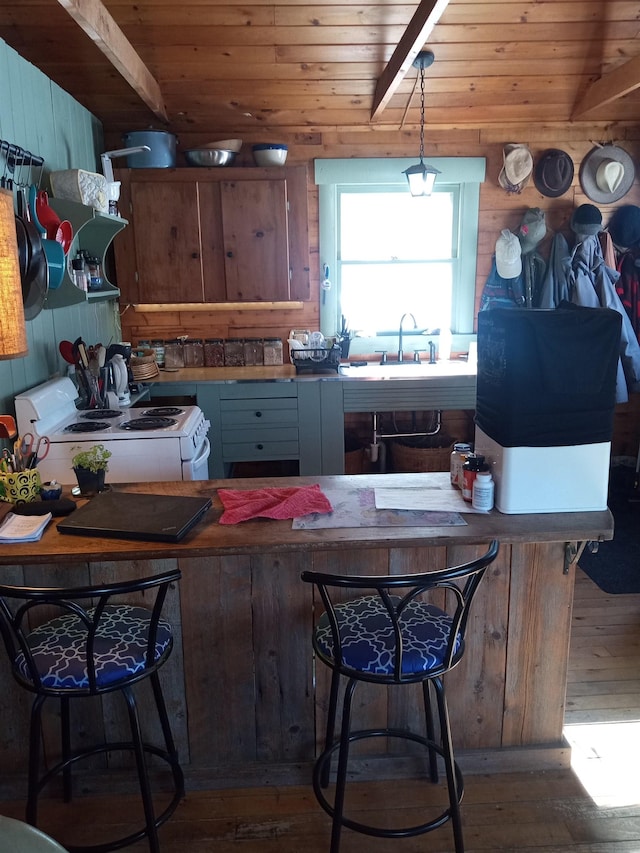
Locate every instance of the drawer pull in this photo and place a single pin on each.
(259, 446)
(258, 414)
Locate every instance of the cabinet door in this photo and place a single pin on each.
(256, 244)
(167, 241)
(199, 235)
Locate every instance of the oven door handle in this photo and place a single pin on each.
(203, 455)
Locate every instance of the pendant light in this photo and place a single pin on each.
(13, 332)
(421, 177)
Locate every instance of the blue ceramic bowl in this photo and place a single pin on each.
(51, 491)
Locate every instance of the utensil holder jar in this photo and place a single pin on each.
(21, 486)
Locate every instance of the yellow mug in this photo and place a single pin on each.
(21, 487)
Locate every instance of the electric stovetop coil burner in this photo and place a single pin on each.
(87, 426)
(163, 412)
(148, 423)
(96, 414)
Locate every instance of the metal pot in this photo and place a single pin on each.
(162, 144)
(34, 271)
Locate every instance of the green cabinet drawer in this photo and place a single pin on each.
(253, 450)
(238, 413)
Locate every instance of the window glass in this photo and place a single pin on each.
(395, 253)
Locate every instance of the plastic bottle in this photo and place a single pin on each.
(458, 458)
(470, 468)
(483, 491)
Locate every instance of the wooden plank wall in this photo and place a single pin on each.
(39, 116)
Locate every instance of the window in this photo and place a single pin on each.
(389, 253)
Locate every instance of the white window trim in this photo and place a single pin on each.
(466, 172)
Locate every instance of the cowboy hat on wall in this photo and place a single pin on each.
(607, 174)
(516, 169)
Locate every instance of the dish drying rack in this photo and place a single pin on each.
(310, 360)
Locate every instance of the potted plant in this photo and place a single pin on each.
(90, 467)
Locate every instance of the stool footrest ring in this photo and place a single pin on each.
(379, 832)
(138, 835)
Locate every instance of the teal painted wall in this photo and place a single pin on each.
(40, 117)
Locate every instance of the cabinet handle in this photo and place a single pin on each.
(258, 414)
(259, 446)
(229, 254)
(195, 255)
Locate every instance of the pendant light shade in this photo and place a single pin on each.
(422, 177)
(13, 332)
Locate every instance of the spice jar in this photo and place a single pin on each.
(253, 352)
(158, 348)
(272, 351)
(95, 273)
(193, 353)
(213, 353)
(234, 352)
(173, 355)
(79, 274)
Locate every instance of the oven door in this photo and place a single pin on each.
(198, 467)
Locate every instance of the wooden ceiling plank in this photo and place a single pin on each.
(420, 27)
(619, 82)
(95, 20)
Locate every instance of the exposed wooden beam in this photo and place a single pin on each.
(418, 31)
(614, 85)
(99, 25)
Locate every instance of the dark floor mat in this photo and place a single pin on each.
(615, 567)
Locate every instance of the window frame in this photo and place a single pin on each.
(465, 174)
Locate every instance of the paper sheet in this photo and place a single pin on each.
(439, 500)
(356, 508)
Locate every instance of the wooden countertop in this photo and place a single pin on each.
(209, 538)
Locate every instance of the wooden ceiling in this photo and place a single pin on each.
(208, 69)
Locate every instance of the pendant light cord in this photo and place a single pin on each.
(421, 113)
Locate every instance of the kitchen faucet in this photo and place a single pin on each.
(415, 326)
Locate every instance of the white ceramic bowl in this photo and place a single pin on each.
(270, 154)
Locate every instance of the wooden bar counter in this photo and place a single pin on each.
(246, 701)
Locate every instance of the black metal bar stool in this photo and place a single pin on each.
(92, 645)
(391, 636)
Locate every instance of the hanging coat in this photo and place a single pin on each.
(593, 284)
(628, 287)
(555, 285)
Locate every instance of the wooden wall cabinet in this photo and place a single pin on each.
(214, 235)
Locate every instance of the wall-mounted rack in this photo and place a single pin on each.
(16, 158)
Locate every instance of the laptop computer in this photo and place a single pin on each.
(127, 515)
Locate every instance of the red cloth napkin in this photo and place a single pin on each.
(242, 505)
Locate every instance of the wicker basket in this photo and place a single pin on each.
(406, 459)
(144, 366)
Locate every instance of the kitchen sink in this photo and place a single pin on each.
(408, 370)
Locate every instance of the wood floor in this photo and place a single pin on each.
(548, 811)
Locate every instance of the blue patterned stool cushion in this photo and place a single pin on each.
(59, 647)
(368, 641)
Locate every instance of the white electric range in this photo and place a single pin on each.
(147, 445)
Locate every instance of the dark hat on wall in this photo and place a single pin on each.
(607, 174)
(624, 226)
(532, 229)
(586, 220)
(516, 169)
(553, 174)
